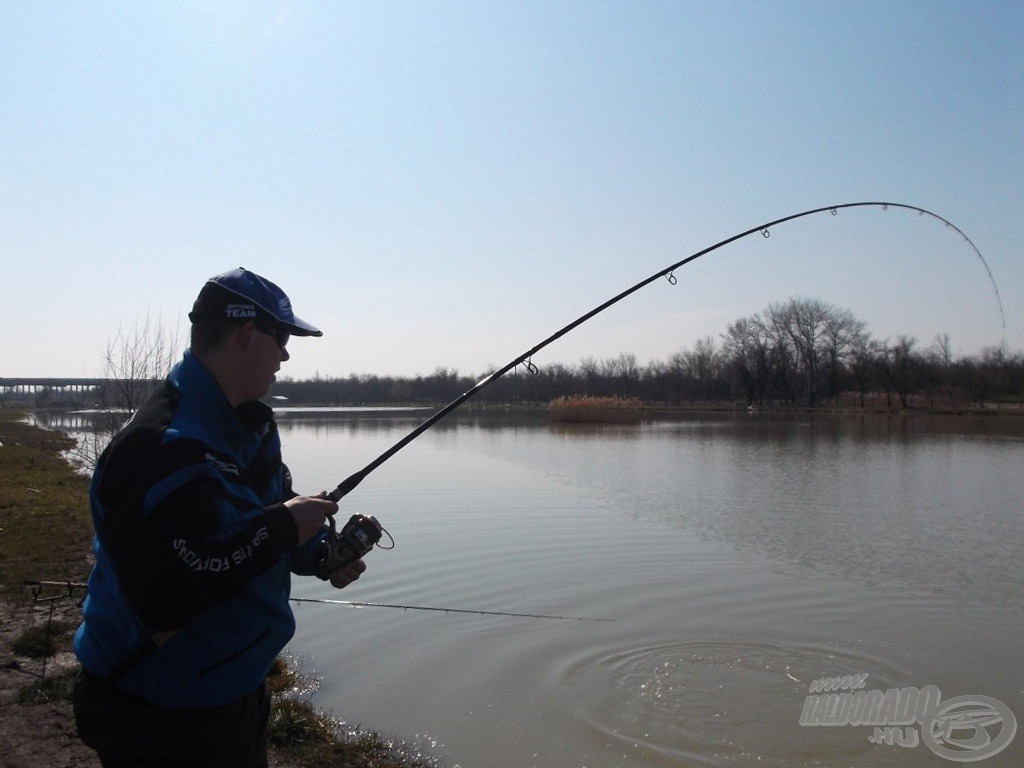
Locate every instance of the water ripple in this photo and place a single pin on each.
(720, 703)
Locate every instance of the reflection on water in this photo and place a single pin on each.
(888, 501)
(741, 557)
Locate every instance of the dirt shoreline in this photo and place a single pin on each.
(36, 735)
(44, 735)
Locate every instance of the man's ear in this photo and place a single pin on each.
(244, 335)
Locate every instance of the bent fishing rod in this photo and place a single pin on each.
(353, 480)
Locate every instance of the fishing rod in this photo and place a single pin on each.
(353, 480)
(362, 604)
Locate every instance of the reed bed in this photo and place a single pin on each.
(584, 409)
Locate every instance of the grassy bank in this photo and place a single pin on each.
(45, 532)
(46, 536)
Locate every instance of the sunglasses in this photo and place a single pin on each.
(279, 334)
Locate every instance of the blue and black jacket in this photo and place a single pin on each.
(188, 600)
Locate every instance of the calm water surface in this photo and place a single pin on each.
(740, 558)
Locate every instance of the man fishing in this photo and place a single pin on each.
(197, 533)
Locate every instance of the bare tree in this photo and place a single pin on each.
(942, 350)
(864, 364)
(775, 324)
(135, 361)
(626, 372)
(591, 374)
(844, 334)
(705, 364)
(747, 346)
(901, 367)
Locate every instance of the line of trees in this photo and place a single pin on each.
(802, 352)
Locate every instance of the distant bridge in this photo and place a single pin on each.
(61, 391)
(31, 386)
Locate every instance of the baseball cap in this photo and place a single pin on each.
(243, 295)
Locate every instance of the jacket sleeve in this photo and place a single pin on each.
(186, 534)
(306, 557)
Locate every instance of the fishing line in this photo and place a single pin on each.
(362, 604)
(430, 481)
(763, 230)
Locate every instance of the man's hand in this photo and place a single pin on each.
(342, 577)
(310, 513)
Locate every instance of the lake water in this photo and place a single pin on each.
(739, 558)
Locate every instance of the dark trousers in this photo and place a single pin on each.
(128, 732)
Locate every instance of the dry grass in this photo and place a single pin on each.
(590, 410)
(45, 530)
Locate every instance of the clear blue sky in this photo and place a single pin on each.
(447, 183)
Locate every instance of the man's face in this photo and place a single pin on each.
(268, 350)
